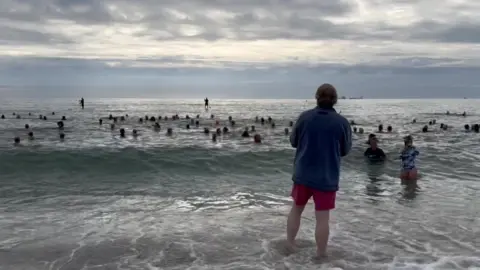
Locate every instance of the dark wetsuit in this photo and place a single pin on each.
(374, 156)
(206, 103)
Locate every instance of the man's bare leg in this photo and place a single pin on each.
(322, 231)
(293, 224)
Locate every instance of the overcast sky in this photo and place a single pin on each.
(240, 48)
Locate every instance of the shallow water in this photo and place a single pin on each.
(97, 201)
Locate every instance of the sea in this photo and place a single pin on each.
(96, 200)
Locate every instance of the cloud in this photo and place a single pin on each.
(269, 42)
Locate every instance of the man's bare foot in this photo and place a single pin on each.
(290, 248)
(321, 256)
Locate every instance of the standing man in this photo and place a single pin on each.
(82, 103)
(206, 103)
(321, 137)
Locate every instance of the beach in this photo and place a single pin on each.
(98, 201)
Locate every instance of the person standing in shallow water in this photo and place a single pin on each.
(322, 137)
(206, 104)
(82, 103)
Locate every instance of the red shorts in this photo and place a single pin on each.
(324, 200)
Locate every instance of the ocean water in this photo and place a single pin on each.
(98, 201)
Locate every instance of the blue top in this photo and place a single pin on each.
(408, 157)
(322, 137)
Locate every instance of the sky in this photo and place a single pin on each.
(240, 48)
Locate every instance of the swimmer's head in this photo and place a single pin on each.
(218, 131)
(252, 128)
(115, 119)
(286, 131)
(30, 135)
(16, 140)
(27, 126)
(214, 137)
(112, 126)
(40, 116)
(225, 130)
(273, 124)
(230, 118)
(408, 140)
(44, 118)
(212, 116)
(326, 96)
(53, 113)
(197, 123)
(169, 131)
(217, 122)
(257, 138)
(64, 118)
(159, 117)
(354, 129)
(188, 126)
(122, 132)
(122, 118)
(262, 120)
(389, 129)
(206, 130)
(232, 123)
(372, 140)
(3, 116)
(157, 125)
(467, 127)
(187, 116)
(60, 124)
(140, 120)
(62, 136)
(198, 116)
(352, 122)
(414, 120)
(18, 116)
(146, 117)
(476, 128)
(430, 123)
(425, 128)
(110, 117)
(380, 128)
(290, 124)
(134, 132)
(360, 130)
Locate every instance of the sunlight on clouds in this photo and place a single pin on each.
(229, 33)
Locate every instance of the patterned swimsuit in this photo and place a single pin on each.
(408, 157)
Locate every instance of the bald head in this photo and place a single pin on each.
(326, 95)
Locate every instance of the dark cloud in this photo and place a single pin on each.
(244, 20)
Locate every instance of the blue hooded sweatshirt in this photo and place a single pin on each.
(322, 137)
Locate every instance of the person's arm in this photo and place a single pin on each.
(346, 140)
(382, 155)
(296, 128)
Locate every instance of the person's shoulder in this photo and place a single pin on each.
(340, 119)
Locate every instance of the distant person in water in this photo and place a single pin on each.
(322, 137)
(82, 103)
(206, 104)
(408, 156)
(373, 153)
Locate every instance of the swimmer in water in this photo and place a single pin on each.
(380, 128)
(169, 132)
(476, 128)
(257, 138)
(30, 136)
(27, 126)
(16, 140)
(3, 116)
(408, 156)
(62, 136)
(467, 127)
(245, 133)
(290, 124)
(156, 127)
(214, 137)
(134, 133)
(122, 132)
(206, 131)
(374, 154)
(286, 131)
(389, 129)
(232, 123)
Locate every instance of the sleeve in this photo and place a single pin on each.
(296, 128)
(346, 140)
